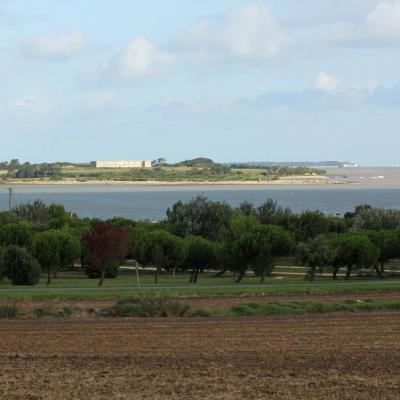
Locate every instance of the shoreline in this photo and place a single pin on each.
(314, 181)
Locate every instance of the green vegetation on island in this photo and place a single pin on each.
(196, 170)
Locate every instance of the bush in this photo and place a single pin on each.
(8, 311)
(66, 311)
(147, 307)
(21, 268)
(201, 313)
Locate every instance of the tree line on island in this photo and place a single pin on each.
(195, 236)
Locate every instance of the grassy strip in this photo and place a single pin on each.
(254, 309)
(198, 291)
(163, 307)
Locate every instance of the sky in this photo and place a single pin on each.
(232, 80)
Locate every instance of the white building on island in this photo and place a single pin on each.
(122, 164)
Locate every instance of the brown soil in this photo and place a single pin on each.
(304, 357)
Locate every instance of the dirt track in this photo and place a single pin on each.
(314, 357)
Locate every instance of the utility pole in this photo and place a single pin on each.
(10, 194)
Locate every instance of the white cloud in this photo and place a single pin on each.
(381, 24)
(31, 104)
(370, 86)
(326, 83)
(100, 101)
(141, 58)
(24, 103)
(248, 33)
(56, 47)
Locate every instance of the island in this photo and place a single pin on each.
(195, 171)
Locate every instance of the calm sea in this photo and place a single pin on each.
(151, 202)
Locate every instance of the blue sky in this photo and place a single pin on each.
(273, 80)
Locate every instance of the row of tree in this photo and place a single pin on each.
(17, 169)
(196, 235)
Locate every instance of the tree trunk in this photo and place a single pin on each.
(240, 277)
(196, 274)
(313, 270)
(335, 271)
(220, 273)
(156, 273)
(348, 272)
(263, 273)
(191, 279)
(378, 271)
(48, 276)
(173, 272)
(102, 275)
(382, 268)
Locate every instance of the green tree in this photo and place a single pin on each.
(18, 234)
(162, 250)
(377, 219)
(310, 224)
(137, 237)
(273, 241)
(270, 213)
(388, 243)
(200, 254)
(7, 217)
(247, 209)
(355, 252)
(240, 253)
(251, 245)
(46, 249)
(315, 255)
(69, 248)
(239, 248)
(199, 217)
(21, 268)
(58, 217)
(36, 213)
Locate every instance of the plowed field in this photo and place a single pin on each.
(307, 357)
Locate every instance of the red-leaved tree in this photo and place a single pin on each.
(106, 247)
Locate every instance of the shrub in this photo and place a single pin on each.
(147, 307)
(8, 311)
(41, 312)
(201, 312)
(66, 311)
(21, 268)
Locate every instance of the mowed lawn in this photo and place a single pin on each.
(285, 281)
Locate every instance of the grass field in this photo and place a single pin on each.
(76, 285)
